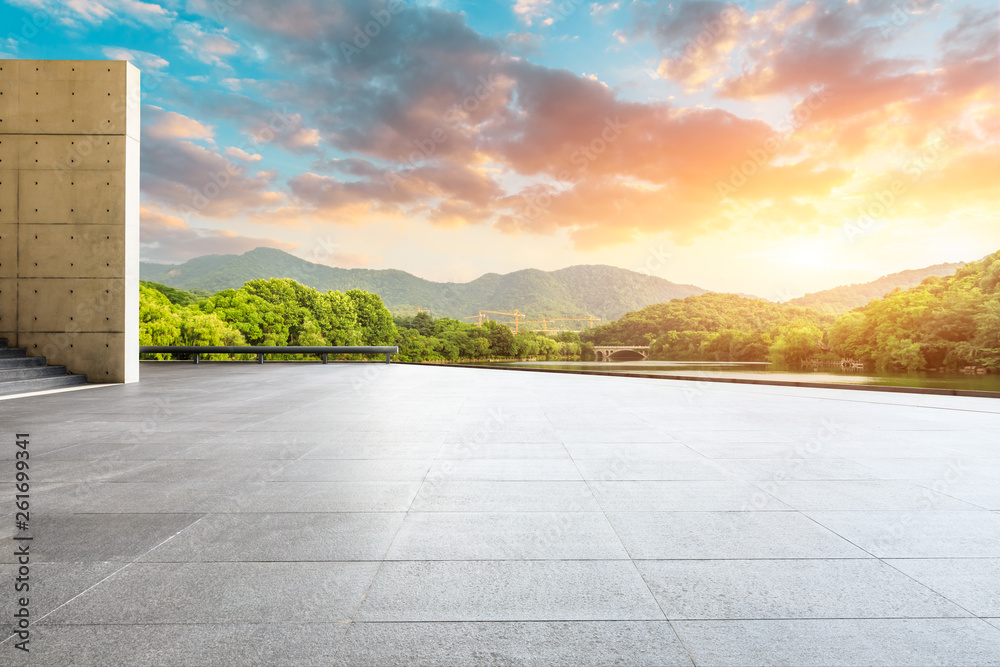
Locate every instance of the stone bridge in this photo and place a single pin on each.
(605, 352)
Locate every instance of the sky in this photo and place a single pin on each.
(767, 148)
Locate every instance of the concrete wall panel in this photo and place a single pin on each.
(8, 197)
(72, 197)
(10, 86)
(8, 309)
(69, 213)
(102, 354)
(66, 304)
(72, 153)
(9, 151)
(71, 251)
(8, 251)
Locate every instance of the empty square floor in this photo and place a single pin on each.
(372, 514)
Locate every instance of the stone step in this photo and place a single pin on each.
(21, 362)
(12, 352)
(30, 372)
(42, 384)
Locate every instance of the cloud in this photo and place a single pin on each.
(141, 59)
(183, 176)
(169, 239)
(93, 13)
(696, 38)
(601, 11)
(209, 46)
(529, 11)
(160, 124)
(241, 154)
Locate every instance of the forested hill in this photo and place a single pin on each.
(606, 292)
(848, 297)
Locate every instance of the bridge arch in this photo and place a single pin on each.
(621, 352)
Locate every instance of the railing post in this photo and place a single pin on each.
(260, 357)
(197, 358)
(325, 356)
(387, 355)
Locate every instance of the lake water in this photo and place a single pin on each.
(766, 371)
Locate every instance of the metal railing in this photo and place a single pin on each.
(260, 350)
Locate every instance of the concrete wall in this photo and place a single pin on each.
(69, 214)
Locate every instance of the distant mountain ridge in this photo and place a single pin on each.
(842, 299)
(606, 292)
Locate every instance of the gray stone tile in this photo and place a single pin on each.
(510, 470)
(635, 451)
(767, 435)
(507, 536)
(342, 450)
(363, 496)
(613, 435)
(218, 470)
(508, 591)
(544, 644)
(861, 495)
(506, 450)
(841, 642)
(487, 435)
(103, 450)
(380, 437)
(281, 537)
(643, 470)
(781, 589)
(799, 469)
(445, 495)
(76, 538)
(140, 498)
(760, 450)
(983, 493)
(683, 496)
(51, 471)
(352, 470)
(180, 645)
(278, 450)
(973, 583)
(222, 593)
(885, 447)
(51, 584)
(918, 534)
(925, 468)
(715, 535)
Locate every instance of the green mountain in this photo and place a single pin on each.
(606, 292)
(848, 297)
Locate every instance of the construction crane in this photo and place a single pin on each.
(517, 315)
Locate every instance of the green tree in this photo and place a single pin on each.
(374, 320)
(159, 323)
(796, 344)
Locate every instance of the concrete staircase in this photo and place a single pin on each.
(20, 373)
